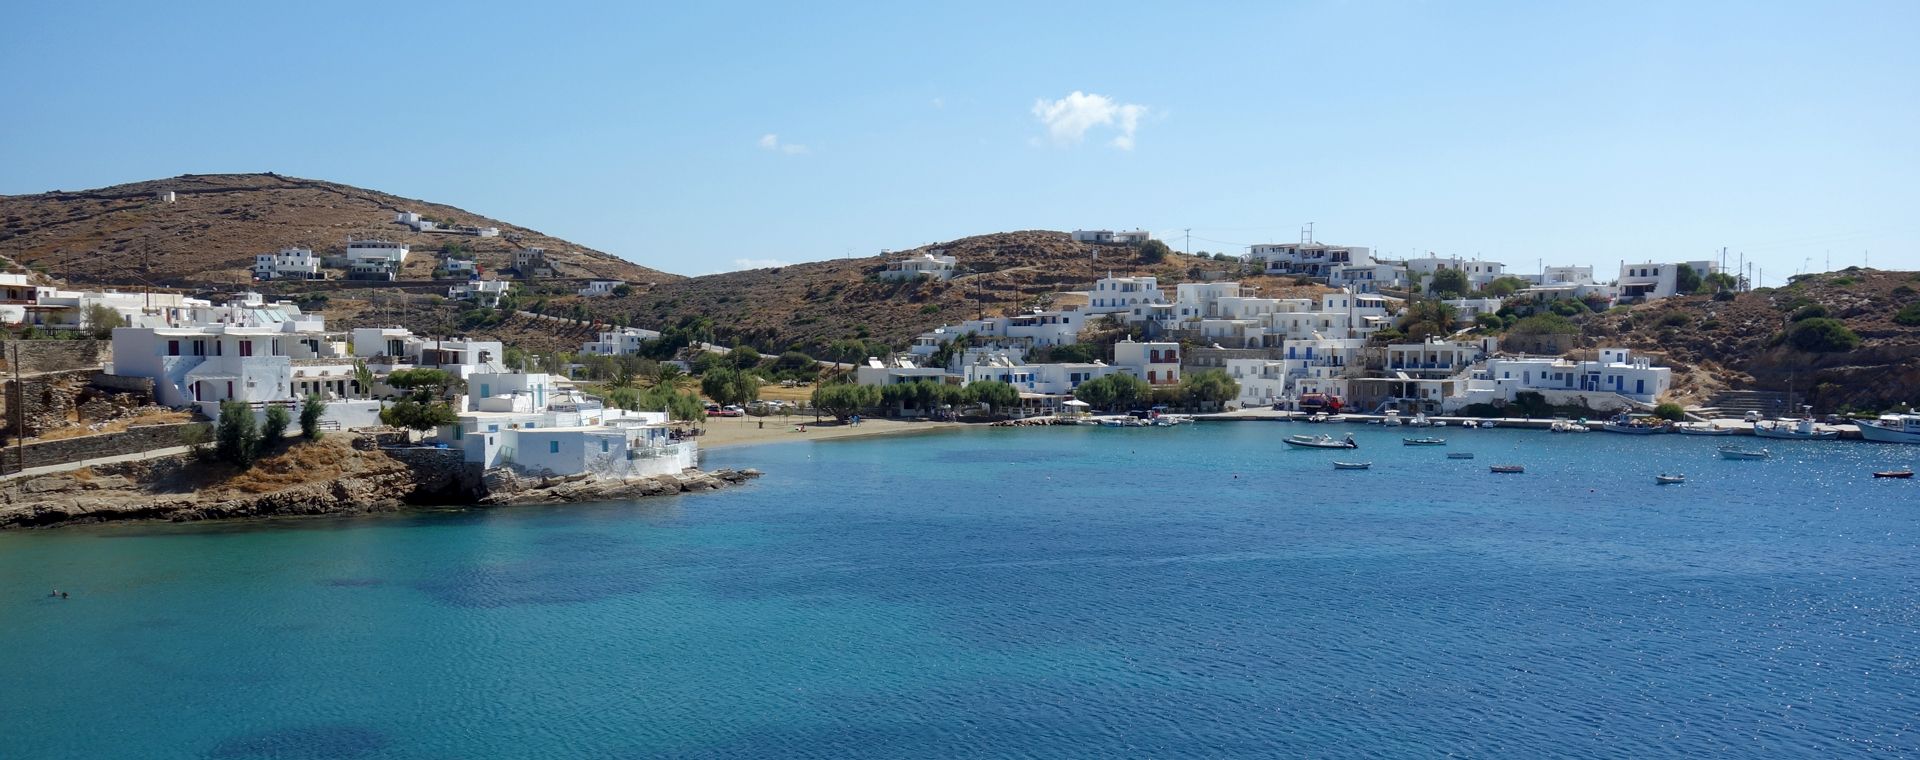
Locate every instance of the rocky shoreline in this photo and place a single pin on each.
(329, 479)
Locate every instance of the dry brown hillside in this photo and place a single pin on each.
(124, 235)
(1745, 340)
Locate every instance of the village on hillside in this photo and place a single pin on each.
(1353, 336)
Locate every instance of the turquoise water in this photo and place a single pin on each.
(1197, 591)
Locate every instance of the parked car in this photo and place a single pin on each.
(1753, 417)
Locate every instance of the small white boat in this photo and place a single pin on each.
(1487, 423)
(1420, 420)
(1564, 426)
(1702, 428)
(1508, 469)
(1321, 442)
(1459, 455)
(1669, 480)
(1352, 465)
(1439, 423)
(1735, 452)
(1428, 441)
(1392, 419)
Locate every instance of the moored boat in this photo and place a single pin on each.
(1352, 465)
(1798, 430)
(1631, 425)
(1702, 428)
(1428, 441)
(1460, 455)
(1321, 442)
(1735, 452)
(1668, 480)
(1892, 428)
(1508, 468)
(1900, 474)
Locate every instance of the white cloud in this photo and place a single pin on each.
(771, 141)
(1070, 118)
(760, 264)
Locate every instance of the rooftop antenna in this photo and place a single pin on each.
(1306, 234)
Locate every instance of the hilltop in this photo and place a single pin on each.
(209, 234)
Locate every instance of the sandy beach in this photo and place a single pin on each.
(723, 432)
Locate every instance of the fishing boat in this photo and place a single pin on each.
(1702, 428)
(1901, 474)
(1321, 442)
(1735, 452)
(1801, 429)
(1630, 425)
(1669, 480)
(1352, 465)
(1509, 469)
(1460, 455)
(1563, 426)
(1892, 428)
(1428, 441)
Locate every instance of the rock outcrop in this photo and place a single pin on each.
(504, 487)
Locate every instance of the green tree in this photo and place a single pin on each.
(994, 394)
(1686, 279)
(1118, 390)
(843, 400)
(1489, 322)
(1505, 286)
(1429, 316)
(685, 407)
(623, 398)
(310, 414)
(100, 319)
(1210, 387)
(1908, 315)
(363, 378)
(1670, 411)
(1154, 252)
(414, 414)
(275, 429)
(744, 358)
(1822, 335)
(237, 436)
(1449, 283)
(730, 386)
(669, 375)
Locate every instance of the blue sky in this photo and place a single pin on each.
(701, 139)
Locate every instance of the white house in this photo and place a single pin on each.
(600, 288)
(930, 266)
(411, 219)
(897, 370)
(483, 292)
(1651, 282)
(1112, 293)
(532, 262)
(459, 267)
(620, 342)
(1367, 278)
(1309, 259)
(1478, 272)
(1158, 363)
(1038, 327)
(290, 263)
(520, 421)
(1614, 371)
(1109, 237)
(375, 259)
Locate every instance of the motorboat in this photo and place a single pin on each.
(1702, 428)
(1459, 455)
(1565, 426)
(1801, 429)
(1735, 452)
(1892, 428)
(1420, 420)
(1320, 417)
(1428, 441)
(1321, 442)
(1508, 469)
(1439, 423)
(1392, 419)
(1901, 474)
(1352, 465)
(1669, 480)
(1487, 424)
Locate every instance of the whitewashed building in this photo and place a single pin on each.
(482, 292)
(929, 266)
(290, 263)
(375, 259)
(1614, 371)
(1652, 282)
(1158, 363)
(523, 422)
(1478, 272)
(1112, 294)
(600, 288)
(1308, 259)
(619, 342)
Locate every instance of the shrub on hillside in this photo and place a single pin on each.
(1154, 251)
(1822, 335)
(1909, 315)
(1811, 311)
(1676, 319)
(1670, 411)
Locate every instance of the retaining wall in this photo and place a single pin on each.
(132, 441)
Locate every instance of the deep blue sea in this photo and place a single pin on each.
(1039, 593)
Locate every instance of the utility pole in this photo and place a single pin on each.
(1189, 232)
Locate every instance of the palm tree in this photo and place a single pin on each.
(669, 375)
(1430, 316)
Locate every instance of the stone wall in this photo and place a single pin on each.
(56, 399)
(132, 441)
(439, 475)
(53, 355)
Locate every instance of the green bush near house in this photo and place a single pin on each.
(236, 439)
(1670, 411)
(275, 430)
(310, 414)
